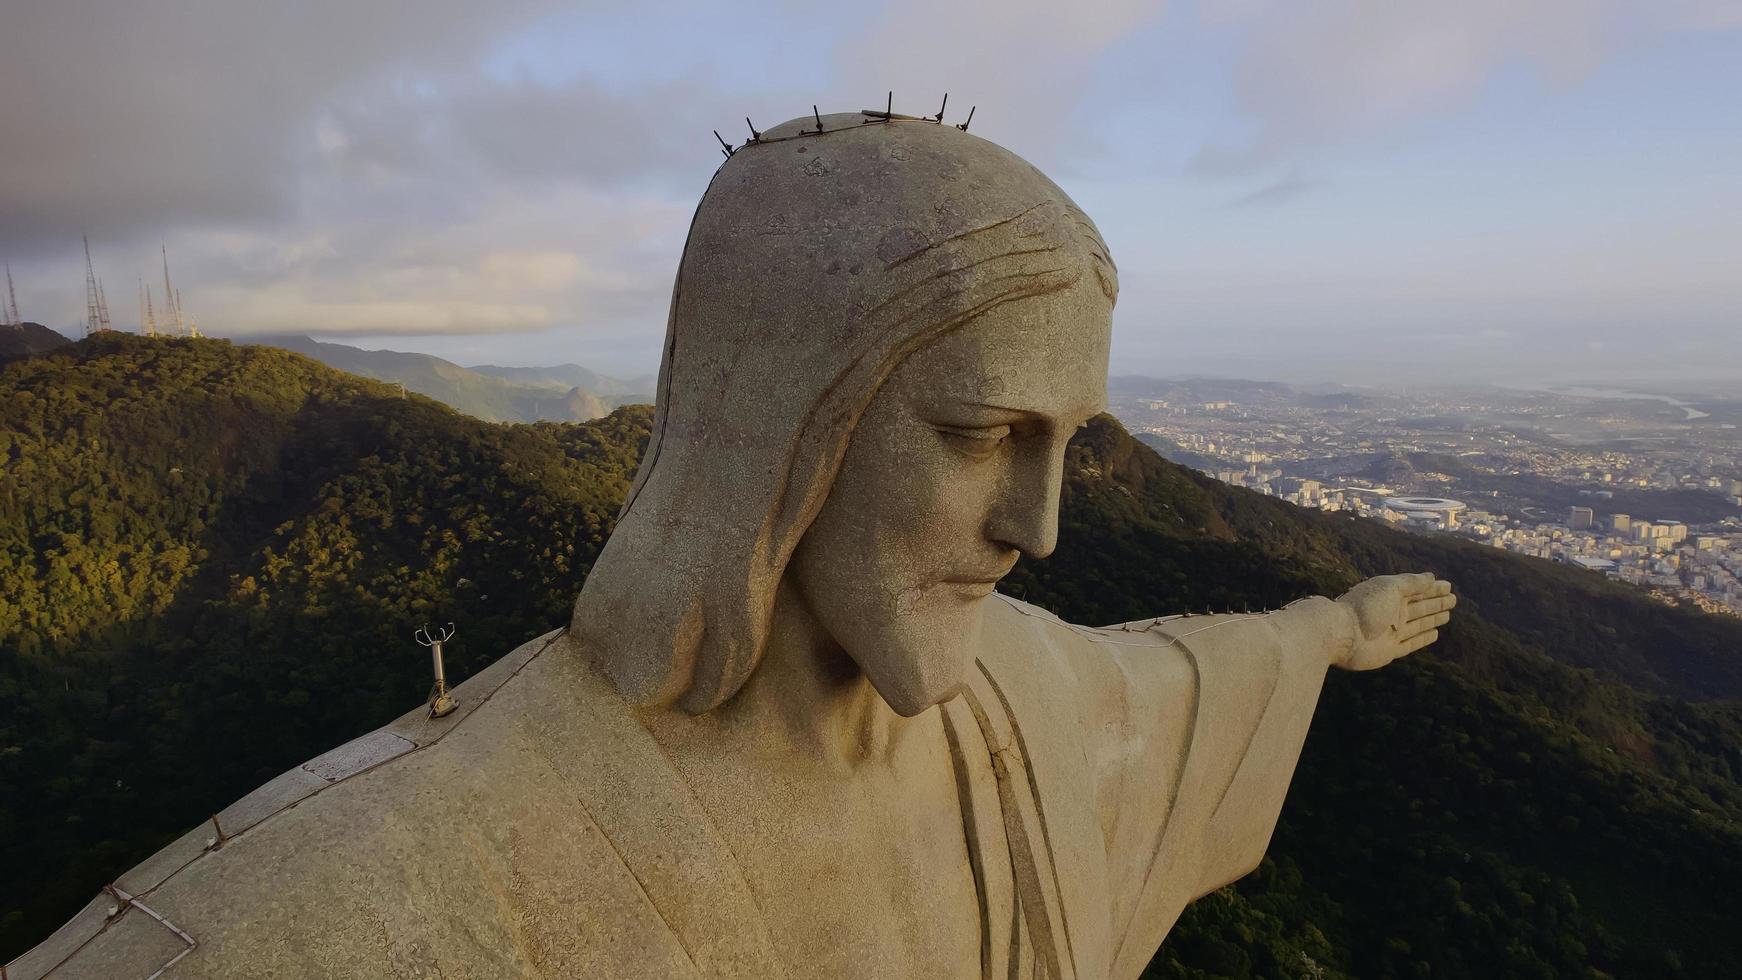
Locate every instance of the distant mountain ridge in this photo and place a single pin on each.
(565, 393)
(29, 338)
(571, 376)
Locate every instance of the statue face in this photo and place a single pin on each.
(952, 474)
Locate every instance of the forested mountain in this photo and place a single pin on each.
(28, 338)
(212, 556)
(211, 561)
(567, 393)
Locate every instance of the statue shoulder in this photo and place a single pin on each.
(332, 844)
(1022, 639)
(1106, 668)
(1018, 629)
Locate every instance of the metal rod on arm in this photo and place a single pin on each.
(440, 701)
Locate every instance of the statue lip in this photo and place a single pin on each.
(977, 579)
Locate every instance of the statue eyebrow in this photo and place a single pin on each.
(1026, 412)
(1060, 421)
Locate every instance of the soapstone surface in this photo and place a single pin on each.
(792, 730)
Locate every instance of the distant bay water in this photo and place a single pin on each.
(1584, 392)
(1589, 391)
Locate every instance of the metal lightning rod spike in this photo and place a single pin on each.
(440, 701)
(754, 135)
(963, 125)
(941, 108)
(819, 116)
(889, 106)
(727, 147)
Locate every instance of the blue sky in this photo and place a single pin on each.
(1347, 190)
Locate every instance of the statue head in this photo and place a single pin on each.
(882, 335)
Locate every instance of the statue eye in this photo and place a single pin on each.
(979, 443)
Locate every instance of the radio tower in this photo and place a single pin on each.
(172, 315)
(102, 306)
(93, 314)
(192, 328)
(11, 313)
(147, 319)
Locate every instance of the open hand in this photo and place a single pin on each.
(1395, 615)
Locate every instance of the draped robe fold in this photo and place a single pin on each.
(1105, 777)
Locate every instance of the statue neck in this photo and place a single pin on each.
(808, 697)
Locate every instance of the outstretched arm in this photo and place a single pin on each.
(1374, 623)
(1223, 719)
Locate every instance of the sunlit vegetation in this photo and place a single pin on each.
(212, 558)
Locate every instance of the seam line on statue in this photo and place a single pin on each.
(1105, 635)
(903, 294)
(321, 789)
(725, 845)
(966, 234)
(1173, 796)
(970, 836)
(1251, 736)
(1039, 812)
(1016, 839)
(617, 852)
(974, 264)
(129, 900)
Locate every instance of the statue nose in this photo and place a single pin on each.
(1026, 515)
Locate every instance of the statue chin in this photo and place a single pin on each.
(921, 661)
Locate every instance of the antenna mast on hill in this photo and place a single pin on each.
(192, 328)
(93, 316)
(12, 317)
(102, 306)
(147, 319)
(172, 315)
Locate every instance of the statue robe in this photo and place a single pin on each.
(1106, 778)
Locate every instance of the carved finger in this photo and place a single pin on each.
(1416, 627)
(1412, 629)
(1417, 586)
(1427, 607)
(1417, 642)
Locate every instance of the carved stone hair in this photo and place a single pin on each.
(815, 265)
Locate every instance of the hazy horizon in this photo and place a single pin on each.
(1339, 191)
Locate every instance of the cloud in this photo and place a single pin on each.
(1313, 72)
(525, 259)
(119, 115)
(1027, 64)
(440, 165)
(527, 169)
(336, 166)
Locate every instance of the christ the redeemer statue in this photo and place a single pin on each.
(793, 730)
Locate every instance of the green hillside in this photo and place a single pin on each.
(28, 338)
(212, 557)
(211, 561)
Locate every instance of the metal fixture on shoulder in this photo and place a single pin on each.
(440, 701)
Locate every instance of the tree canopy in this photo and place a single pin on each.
(212, 558)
